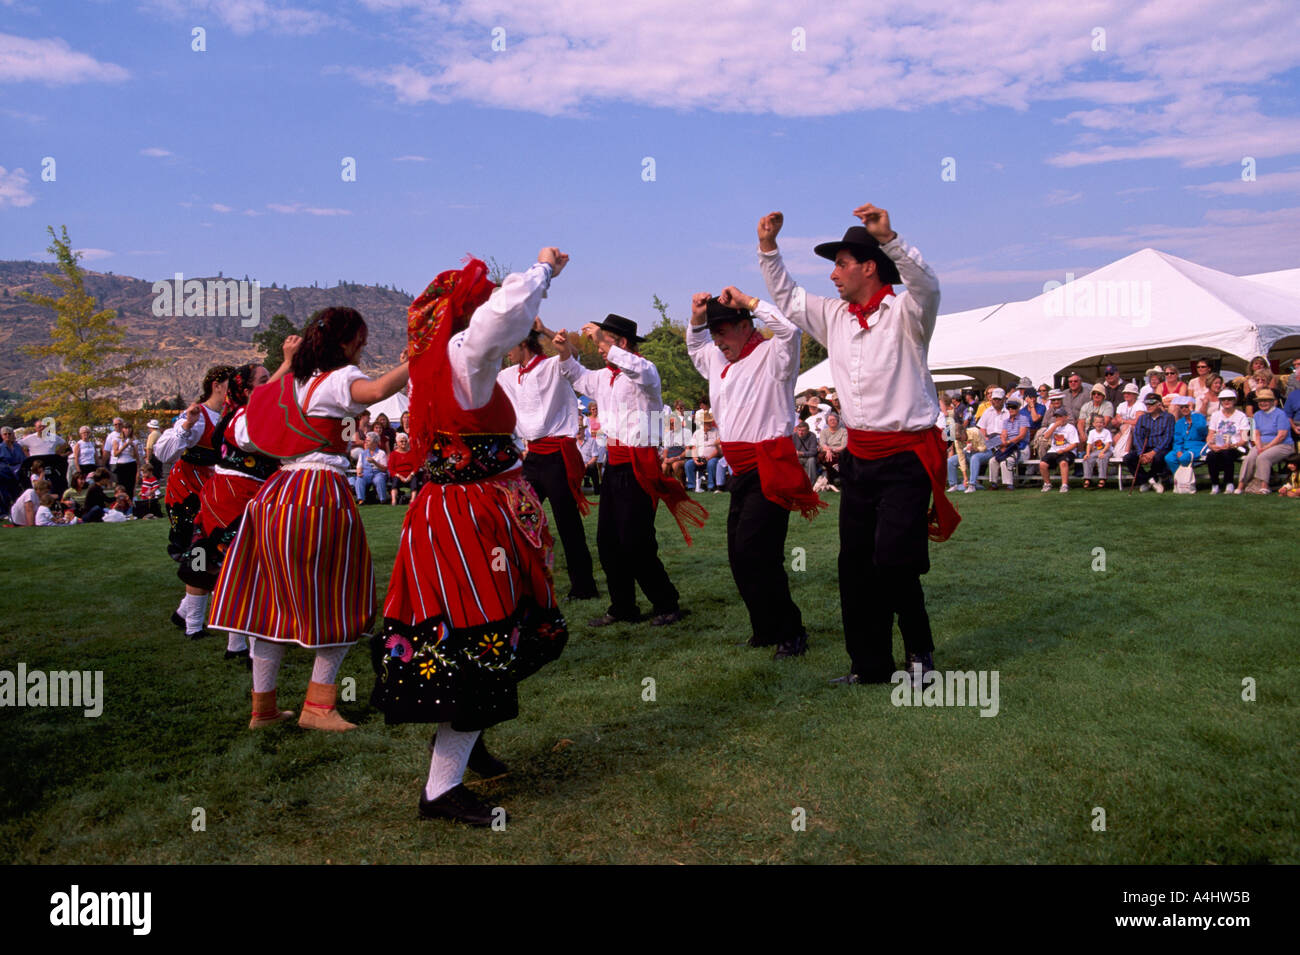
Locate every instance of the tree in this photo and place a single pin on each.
(271, 341)
(665, 345)
(87, 345)
(811, 352)
(496, 271)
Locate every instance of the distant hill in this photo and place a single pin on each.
(189, 344)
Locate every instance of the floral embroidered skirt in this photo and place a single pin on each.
(471, 607)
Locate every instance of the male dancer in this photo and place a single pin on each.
(878, 344)
(627, 392)
(751, 387)
(546, 416)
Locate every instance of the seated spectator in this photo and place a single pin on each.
(148, 506)
(1011, 444)
(1207, 402)
(1190, 430)
(11, 461)
(672, 459)
(1099, 447)
(1126, 412)
(1055, 402)
(1229, 440)
(1270, 443)
(706, 448)
(404, 424)
(387, 435)
(122, 500)
(1291, 485)
(402, 466)
(831, 444)
(1153, 436)
(75, 496)
(1062, 442)
(36, 472)
(23, 512)
(1251, 385)
(1095, 405)
(806, 447)
(1199, 385)
(989, 426)
(1260, 368)
(1113, 386)
(1172, 383)
(1075, 396)
(97, 501)
(372, 468)
(45, 516)
(1155, 377)
(1291, 408)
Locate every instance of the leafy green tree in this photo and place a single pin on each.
(271, 341)
(665, 345)
(811, 352)
(87, 345)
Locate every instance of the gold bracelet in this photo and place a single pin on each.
(753, 304)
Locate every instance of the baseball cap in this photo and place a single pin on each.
(1152, 398)
(1013, 402)
(1111, 369)
(998, 393)
(1183, 400)
(1060, 413)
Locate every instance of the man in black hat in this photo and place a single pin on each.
(877, 344)
(627, 391)
(751, 385)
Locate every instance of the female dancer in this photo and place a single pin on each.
(471, 606)
(299, 569)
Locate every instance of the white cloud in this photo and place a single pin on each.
(156, 151)
(91, 255)
(1167, 86)
(1062, 197)
(218, 207)
(411, 159)
(296, 208)
(1288, 181)
(23, 59)
(13, 189)
(245, 16)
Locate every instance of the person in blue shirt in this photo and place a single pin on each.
(1014, 439)
(1153, 436)
(1190, 431)
(1270, 443)
(11, 460)
(1292, 407)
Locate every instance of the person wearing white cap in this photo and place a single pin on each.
(1189, 434)
(1126, 412)
(1062, 441)
(991, 425)
(155, 432)
(1229, 433)
(1096, 405)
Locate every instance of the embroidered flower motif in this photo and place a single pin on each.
(491, 643)
(428, 668)
(398, 646)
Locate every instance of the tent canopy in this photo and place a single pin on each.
(393, 406)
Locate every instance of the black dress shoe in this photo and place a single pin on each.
(240, 655)
(605, 619)
(667, 619)
(178, 620)
(200, 634)
(457, 803)
(794, 647)
(484, 763)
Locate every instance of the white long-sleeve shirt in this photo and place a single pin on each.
(175, 441)
(498, 325)
(545, 405)
(630, 404)
(755, 401)
(882, 375)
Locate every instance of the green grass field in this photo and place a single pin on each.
(1119, 689)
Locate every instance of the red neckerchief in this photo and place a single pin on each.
(525, 369)
(755, 340)
(613, 371)
(862, 312)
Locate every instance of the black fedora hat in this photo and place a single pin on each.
(620, 326)
(864, 246)
(718, 314)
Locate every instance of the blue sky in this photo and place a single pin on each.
(1067, 156)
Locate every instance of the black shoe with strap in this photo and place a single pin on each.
(458, 804)
(484, 763)
(794, 647)
(178, 620)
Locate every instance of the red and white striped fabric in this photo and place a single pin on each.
(448, 563)
(185, 479)
(223, 499)
(299, 570)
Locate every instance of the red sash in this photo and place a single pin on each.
(645, 465)
(928, 445)
(573, 469)
(278, 428)
(780, 475)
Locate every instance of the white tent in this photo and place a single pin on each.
(393, 406)
(1146, 307)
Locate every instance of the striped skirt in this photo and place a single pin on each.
(299, 570)
(185, 479)
(221, 508)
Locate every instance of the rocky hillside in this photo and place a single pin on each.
(187, 344)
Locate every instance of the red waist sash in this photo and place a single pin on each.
(780, 475)
(928, 445)
(660, 487)
(573, 469)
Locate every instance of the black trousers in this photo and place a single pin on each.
(884, 550)
(546, 473)
(1223, 466)
(756, 531)
(629, 551)
(1142, 473)
(124, 474)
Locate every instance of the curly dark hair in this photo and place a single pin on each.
(241, 383)
(215, 376)
(323, 338)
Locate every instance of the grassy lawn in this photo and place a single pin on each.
(1119, 688)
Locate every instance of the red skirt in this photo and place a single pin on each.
(299, 570)
(222, 501)
(470, 553)
(185, 479)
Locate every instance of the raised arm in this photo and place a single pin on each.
(699, 343)
(785, 334)
(179, 438)
(809, 312)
